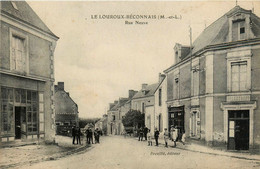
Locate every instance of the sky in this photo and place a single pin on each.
(99, 60)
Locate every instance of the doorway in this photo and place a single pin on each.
(238, 134)
(19, 115)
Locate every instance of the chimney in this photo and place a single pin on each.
(131, 93)
(61, 86)
(161, 77)
(111, 105)
(144, 86)
(115, 102)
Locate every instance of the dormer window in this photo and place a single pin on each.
(238, 30)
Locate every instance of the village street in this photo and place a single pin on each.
(119, 152)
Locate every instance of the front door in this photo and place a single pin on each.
(242, 134)
(17, 122)
(238, 134)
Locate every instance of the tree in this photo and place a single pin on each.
(133, 118)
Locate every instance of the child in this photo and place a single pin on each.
(166, 137)
(183, 137)
(149, 138)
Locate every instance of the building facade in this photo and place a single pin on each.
(66, 110)
(26, 74)
(160, 106)
(143, 101)
(116, 112)
(212, 90)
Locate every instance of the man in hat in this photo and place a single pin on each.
(156, 136)
(74, 133)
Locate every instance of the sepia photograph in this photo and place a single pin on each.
(129, 84)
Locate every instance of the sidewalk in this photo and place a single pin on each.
(27, 153)
(190, 146)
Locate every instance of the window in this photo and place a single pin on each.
(18, 55)
(114, 117)
(18, 52)
(160, 97)
(143, 106)
(238, 76)
(195, 83)
(194, 124)
(176, 89)
(160, 125)
(238, 30)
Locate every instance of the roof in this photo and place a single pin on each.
(24, 13)
(121, 102)
(150, 91)
(159, 84)
(217, 32)
(64, 103)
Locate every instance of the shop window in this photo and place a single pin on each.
(23, 96)
(29, 96)
(17, 95)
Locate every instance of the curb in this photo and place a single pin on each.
(218, 154)
(49, 158)
(225, 155)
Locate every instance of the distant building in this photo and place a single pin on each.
(102, 124)
(26, 74)
(213, 89)
(116, 112)
(65, 108)
(143, 101)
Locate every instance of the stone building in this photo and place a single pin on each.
(212, 89)
(66, 110)
(117, 111)
(143, 101)
(26, 74)
(160, 106)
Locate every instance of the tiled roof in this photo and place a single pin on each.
(24, 13)
(64, 103)
(119, 104)
(150, 91)
(217, 32)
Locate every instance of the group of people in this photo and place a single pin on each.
(89, 134)
(174, 135)
(76, 133)
(143, 133)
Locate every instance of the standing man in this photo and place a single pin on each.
(145, 133)
(78, 135)
(156, 136)
(96, 134)
(141, 133)
(73, 132)
(90, 136)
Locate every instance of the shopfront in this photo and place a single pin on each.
(20, 114)
(176, 117)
